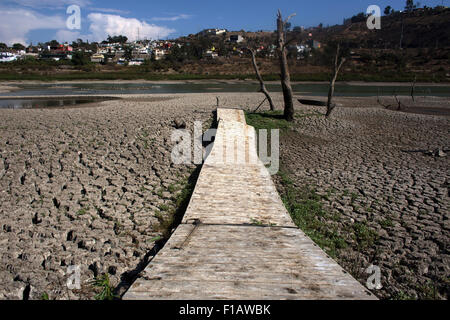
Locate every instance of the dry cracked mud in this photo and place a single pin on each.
(85, 186)
(372, 170)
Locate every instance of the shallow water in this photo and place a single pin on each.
(306, 89)
(46, 103)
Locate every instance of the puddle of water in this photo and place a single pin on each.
(47, 103)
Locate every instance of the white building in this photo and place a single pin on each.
(159, 53)
(213, 32)
(236, 39)
(7, 57)
(211, 54)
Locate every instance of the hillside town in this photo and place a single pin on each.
(207, 44)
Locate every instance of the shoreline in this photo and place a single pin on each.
(6, 84)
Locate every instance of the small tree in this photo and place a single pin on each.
(260, 79)
(388, 10)
(80, 59)
(410, 6)
(128, 55)
(3, 46)
(339, 61)
(53, 43)
(18, 46)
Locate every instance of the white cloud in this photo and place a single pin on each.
(102, 25)
(68, 36)
(16, 23)
(174, 18)
(109, 10)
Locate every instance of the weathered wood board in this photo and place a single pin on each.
(237, 241)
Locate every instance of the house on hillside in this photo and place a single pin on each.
(7, 57)
(136, 62)
(97, 58)
(212, 32)
(159, 53)
(236, 38)
(210, 54)
(59, 52)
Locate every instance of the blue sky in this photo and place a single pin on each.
(43, 20)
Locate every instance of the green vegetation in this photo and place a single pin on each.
(137, 73)
(82, 211)
(256, 222)
(267, 120)
(305, 205)
(387, 223)
(174, 214)
(164, 207)
(427, 291)
(401, 295)
(364, 235)
(306, 209)
(81, 59)
(103, 283)
(154, 239)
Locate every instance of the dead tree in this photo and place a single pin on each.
(386, 106)
(285, 76)
(413, 87)
(260, 79)
(399, 103)
(337, 66)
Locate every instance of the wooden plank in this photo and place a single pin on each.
(221, 251)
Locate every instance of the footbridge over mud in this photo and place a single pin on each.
(237, 240)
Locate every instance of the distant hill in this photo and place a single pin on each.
(422, 28)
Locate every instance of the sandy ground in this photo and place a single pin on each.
(4, 88)
(83, 186)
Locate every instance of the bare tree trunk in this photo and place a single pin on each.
(386, 106)
(413, 87)
(337, 67)
(399, 103)
(260, 79)
(285, 76)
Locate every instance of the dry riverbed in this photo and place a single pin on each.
(86, 187)
(386, 196)
(90, 187)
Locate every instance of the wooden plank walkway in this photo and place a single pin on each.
(237, 241)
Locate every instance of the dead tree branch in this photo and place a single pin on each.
(261, 81)
(386, 106)
(399, 103)
(260, 105)
(413, 87)
(337, 67)
(285, 76)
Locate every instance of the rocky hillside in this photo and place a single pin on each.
(421, 29)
